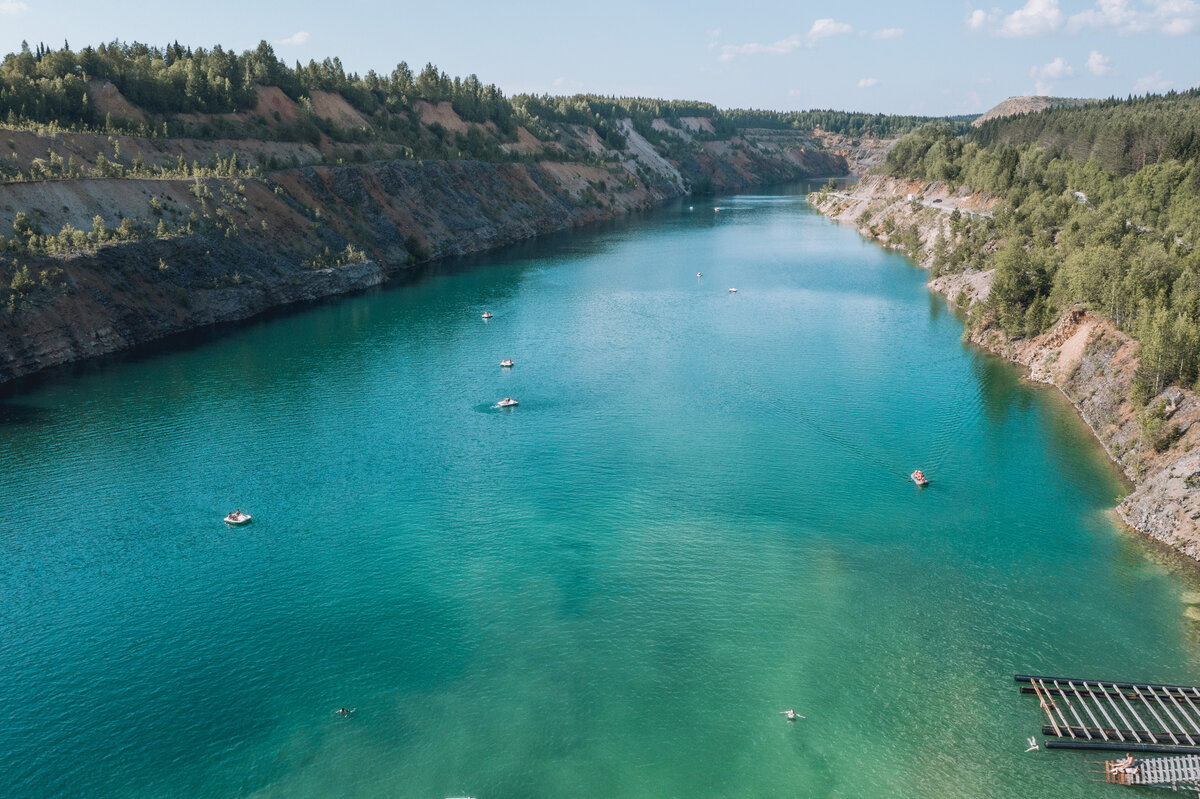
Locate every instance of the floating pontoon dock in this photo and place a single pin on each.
(1117, 716)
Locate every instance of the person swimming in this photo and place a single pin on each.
(344, 712)
(791, 715)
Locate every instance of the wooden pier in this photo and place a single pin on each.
(1167, 772)
(1117, 716)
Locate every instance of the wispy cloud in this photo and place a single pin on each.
(1152, 83)
(1172, 17)
(781, 47)
(714, 37)
(1042, 17)
(1098, 64)
(866, 83)
(299, 37)
(824, 28)
(888, 33)
(821, 29)
(1055, 70)
(12, 8)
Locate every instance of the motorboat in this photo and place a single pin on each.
(507, 402)
(487, 314)
(237, 517)
(733, 291)
(919, 478)
(506, 363)
(699, 275)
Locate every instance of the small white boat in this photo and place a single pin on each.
(487, 314)
(507, 402)
(919, 478)
(699, 275)
(237, 517)
(506, 363)
(733, 291)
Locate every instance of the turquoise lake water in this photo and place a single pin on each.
(697, 517)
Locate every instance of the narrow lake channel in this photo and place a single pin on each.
(697, 516)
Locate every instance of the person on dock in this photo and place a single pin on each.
(1124, 766)
(791, 715)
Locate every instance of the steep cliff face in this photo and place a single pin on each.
(228, 248)
(1084, 355)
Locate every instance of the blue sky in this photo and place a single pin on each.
(928, 58)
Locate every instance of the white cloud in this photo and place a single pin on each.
(866, 83)
(1055, 70)
(888, 33)
(1098, 64)
(821, 29)
(824, 28)
(781, 47)
(1041, 17)
(714, 36)
(1151, 83)
(1035, 18)
(12, 8)
(1058, 68)
(299, 37)
(1172, 17)
(980, 19)
(1177, 17)
(1115, 14)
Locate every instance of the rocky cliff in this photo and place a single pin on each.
(106, 263)
(1085, 356)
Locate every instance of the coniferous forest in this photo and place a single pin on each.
(43, 85)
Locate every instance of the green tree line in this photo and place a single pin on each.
(1101, 207)
(44, 85)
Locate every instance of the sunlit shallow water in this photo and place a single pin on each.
(696, 517)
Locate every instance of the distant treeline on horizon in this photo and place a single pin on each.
(49, 86)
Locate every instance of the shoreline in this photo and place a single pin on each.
(1083, 355)
(256, 257)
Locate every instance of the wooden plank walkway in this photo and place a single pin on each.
(1101, 714)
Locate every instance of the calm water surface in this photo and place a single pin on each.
(697, 517)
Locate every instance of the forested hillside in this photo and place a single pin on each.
(1101, 207)
(149, 190)
(199, 91)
